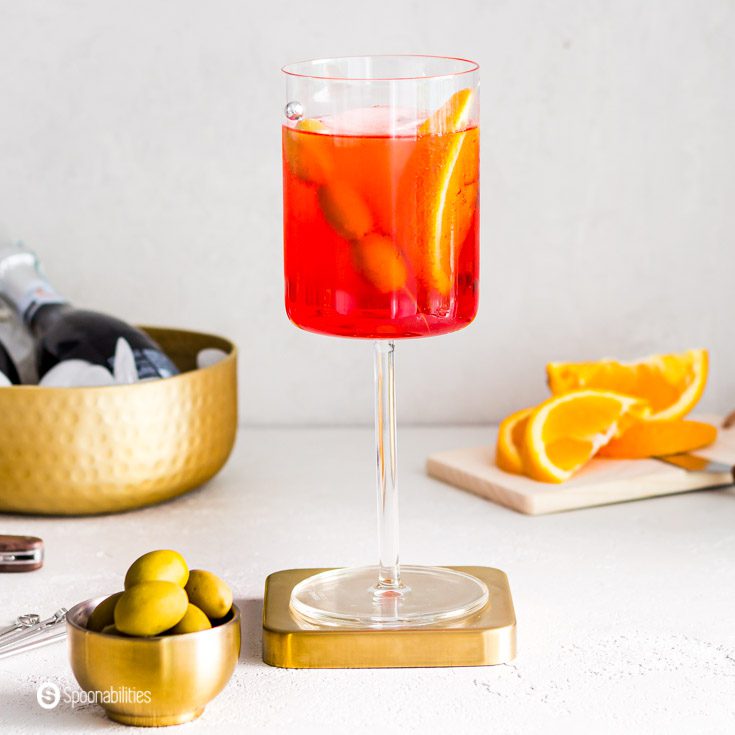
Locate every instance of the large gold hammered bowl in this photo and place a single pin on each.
(74, 451)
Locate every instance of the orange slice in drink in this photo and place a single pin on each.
(565, 432)
(510, 440)
(672, 384)
(311, 125)
(438, 191)
(307, 152)
(380, 262)
(376, 256)
(345, 209)
(451, 117)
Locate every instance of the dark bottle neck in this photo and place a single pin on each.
(45, 316)
(7, 366)
(23, 285)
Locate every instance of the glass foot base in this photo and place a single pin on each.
(351, 598)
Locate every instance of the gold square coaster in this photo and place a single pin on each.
(485, 638)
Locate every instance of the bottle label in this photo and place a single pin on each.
(157, 363)
(38, 293)
(149, 363)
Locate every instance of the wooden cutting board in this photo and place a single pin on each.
(601, 482)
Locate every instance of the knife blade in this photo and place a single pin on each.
(695, 463)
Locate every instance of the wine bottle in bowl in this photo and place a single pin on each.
(63, 332)
(8, 371)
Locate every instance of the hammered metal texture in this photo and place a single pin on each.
(79, 451)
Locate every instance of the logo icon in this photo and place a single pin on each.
(48, 695)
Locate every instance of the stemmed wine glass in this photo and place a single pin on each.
(381, 228)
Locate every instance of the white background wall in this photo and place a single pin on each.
(139, 154)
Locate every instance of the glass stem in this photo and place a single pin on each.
(389, 577)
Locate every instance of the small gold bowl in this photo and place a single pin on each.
(78, 451)
(151, 682)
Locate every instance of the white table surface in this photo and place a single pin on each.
(626, 614)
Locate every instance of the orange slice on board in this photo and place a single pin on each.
(438, 192)
(565, 432)
(510, 439)
(672, 384)
(659, 438)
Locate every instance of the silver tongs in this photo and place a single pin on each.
(30, 632)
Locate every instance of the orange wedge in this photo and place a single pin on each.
(311, 125)
(566, 431)
(379, 261)
(452, 116)
(672, 384)
(306, 152)
(345, 209)
(659, 438)
(510, 438)
(439, 190)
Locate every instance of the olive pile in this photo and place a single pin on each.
(162, 597)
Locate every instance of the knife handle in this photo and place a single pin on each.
(20, 553)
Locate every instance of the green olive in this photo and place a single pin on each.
(193, 621)
(111, 630)
(209, 593)
(164, 564)
(149, 608)
(104, 613)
